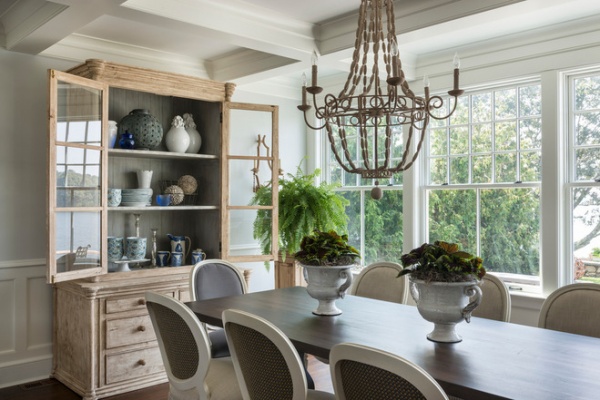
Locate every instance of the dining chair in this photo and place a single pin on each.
(360, 372)
(185, 351)
(265, 360)
(380, 281)
(214, 278)
(495, 301)
(573, 309)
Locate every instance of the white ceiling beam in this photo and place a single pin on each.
(32, 26)
(339, 34)
(264, 31)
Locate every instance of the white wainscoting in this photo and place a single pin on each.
(25, 322)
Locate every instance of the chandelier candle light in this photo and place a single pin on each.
(371, 114)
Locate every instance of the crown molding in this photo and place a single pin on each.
(79, 48)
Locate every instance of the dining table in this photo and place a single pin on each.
(494, 360)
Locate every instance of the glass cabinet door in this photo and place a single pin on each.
(250, 158)
(77, 156)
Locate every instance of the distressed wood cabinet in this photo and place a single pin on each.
(103, 340)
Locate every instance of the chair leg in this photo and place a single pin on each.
(310, 383)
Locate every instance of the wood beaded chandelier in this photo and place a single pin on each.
(376, 126)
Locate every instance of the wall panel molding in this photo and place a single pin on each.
(26, 332)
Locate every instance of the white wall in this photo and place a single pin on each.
(25, 298)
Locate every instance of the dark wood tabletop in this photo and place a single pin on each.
(495, 360)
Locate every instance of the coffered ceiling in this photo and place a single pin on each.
(254, 42)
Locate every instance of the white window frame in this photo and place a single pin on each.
(515, 282)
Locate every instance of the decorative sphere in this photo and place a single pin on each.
(176, 194)
(146, 129)
(188, 183)
(376, 193)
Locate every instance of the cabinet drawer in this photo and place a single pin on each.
(126, 331)
(135, 302)
(125, 366)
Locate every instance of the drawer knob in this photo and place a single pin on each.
(141, 362)
(142, 302)
(141, 328)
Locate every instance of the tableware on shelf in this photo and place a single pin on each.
(115, 248)
(136, 197)
(135, 248)
(112, 133)
(163, 199)
(177, 139)
(176, 259)
(144, 178)
(127, 142)
(162, 258)
(198, 255)
(178, 244)
(188, 184)
(145, 128)
(114, 197)
(122, 265)
(195, 138)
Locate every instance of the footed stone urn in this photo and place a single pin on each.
(445, 304)
(327, 284)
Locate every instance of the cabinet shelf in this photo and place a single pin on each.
(158, 208)
(167, 155)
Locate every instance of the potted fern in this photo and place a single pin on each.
(303, 208)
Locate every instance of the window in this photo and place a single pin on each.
(479, 183)
(374, 226)
(584, 175)
(484, 174)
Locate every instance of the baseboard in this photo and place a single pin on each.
(23, 371)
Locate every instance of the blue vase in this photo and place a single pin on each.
(126, 141)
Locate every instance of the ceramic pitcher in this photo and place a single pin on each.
(179, 244)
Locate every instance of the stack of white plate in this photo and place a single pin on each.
(136, 197)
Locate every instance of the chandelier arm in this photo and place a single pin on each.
(318, 128)
(436, 102)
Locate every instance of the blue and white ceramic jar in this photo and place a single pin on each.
(145, 128)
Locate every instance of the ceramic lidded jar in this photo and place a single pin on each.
(145, 128)
(195, 138)
(177, 139)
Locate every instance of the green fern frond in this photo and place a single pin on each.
(303, 208)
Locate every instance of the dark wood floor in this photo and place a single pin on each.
(51, 389)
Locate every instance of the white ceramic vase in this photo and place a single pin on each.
(445, 304)
(112, 133)
(195, 138)
(177, 139)
(144, 178)
(327, 284)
